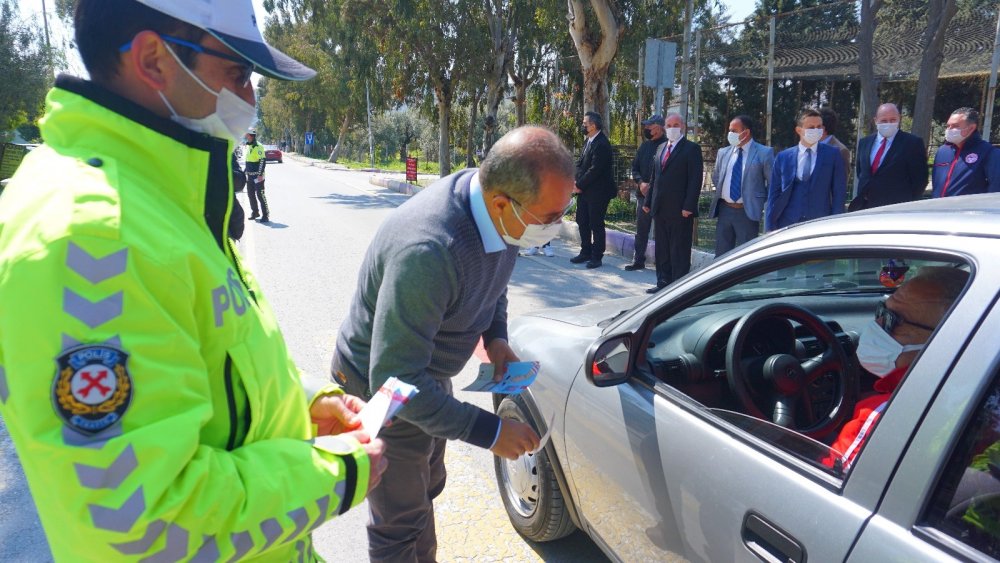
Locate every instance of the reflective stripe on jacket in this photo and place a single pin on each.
(143, 378)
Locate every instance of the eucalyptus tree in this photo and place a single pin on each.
(25, 74)
(596, 30)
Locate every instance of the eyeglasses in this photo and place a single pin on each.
(537, 218)
(246, 67)
(890, 319)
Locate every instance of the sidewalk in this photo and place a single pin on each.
(619, 244)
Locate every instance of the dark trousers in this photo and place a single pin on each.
(733, 229)
(643, 223)
(673, 248)
(256, 191)
(590, 218)
(401, 507)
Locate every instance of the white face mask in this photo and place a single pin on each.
(231, 118)
(878, 350)
(674, 134)
(733, 138)
(812, 136)
(534, 235)
(954, 136)
(887, 130)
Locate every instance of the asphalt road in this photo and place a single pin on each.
(307, 262)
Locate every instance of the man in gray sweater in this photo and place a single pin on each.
(433, 282)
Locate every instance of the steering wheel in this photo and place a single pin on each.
(788, 380)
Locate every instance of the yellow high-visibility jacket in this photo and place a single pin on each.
(146, 386)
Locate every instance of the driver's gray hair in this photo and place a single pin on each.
(950, 282)
(518, 161)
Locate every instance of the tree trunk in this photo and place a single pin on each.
(939, 14)
(595, 58)
(521, 103)
(444, 96)
(866, 63)
(470, 141)
(335, 153)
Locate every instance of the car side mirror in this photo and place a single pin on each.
(608, 361)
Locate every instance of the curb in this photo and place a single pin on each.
(617, 242)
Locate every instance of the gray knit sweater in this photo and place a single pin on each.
(426, 292)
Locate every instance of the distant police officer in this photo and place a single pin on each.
(966, 163)
(256, 161)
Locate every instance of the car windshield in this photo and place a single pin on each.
(842, 276)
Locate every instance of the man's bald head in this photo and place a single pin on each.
(521, 159)
(674, 119)
(887, 113)
(928, 296)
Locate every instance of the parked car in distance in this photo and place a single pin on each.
(272, 153)
(698, 423)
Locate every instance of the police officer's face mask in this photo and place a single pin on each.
(231, 118)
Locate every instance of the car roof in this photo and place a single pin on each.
(970, 215)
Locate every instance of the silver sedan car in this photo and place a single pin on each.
(699, 424)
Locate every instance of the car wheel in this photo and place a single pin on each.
(529, 489)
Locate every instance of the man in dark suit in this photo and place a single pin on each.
(595, 186)
(642, 173)
(808, 180)
(891, 164)
(673, 202)
(742, 172)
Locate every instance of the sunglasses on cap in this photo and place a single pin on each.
(889, 319)
(246, 68)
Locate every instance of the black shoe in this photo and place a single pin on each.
(265, 220)
(635, 266)
(593, 264)
(580, 259)
(653, 290)
(254, 216)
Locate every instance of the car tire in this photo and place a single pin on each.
(530, 491)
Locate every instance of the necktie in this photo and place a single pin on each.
(878, 155)
(666, 155)
(736, 182)
(807, 167)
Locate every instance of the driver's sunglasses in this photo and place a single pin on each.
(890, 319)
(246, 67)
(536, 217)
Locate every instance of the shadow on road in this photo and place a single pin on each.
(361, 201)
(574, 547)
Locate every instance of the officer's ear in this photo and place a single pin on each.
(147, 61)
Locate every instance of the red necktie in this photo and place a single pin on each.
(878, 155)
(666, 155)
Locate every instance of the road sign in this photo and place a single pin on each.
(411, 169)
(310, 138)
(661, 60)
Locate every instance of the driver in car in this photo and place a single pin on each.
(890, 342)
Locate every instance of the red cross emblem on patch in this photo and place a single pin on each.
(93, 384)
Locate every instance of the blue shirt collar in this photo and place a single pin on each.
(492, 241)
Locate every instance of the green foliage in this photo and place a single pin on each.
(24, 73)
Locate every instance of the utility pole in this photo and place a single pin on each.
(371, 139)
(686, 61)
(45, 18)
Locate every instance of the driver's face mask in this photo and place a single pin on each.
(878, 350)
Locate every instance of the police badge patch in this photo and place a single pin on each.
(971, 158)
(92, 388)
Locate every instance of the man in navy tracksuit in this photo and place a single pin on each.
(966, 163)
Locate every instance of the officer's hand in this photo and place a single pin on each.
(645, 208)
(499, 353)
(685, 213)
(516, 439)
(644, 188)
(333, 414)
(377, 462)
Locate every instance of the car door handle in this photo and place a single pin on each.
(770, 543)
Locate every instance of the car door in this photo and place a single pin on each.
(923, 514)
(658, 475)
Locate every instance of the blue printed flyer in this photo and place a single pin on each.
(518, 377)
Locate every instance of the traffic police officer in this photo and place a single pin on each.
(256, 161)
(966, 163)
(143, 378)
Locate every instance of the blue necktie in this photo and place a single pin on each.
(736, 182)
(807, 169)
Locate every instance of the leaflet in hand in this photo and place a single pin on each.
(385, 404)
(518, 377)
(545, 437)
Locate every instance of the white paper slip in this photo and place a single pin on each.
(545, 437)
(384, 405)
